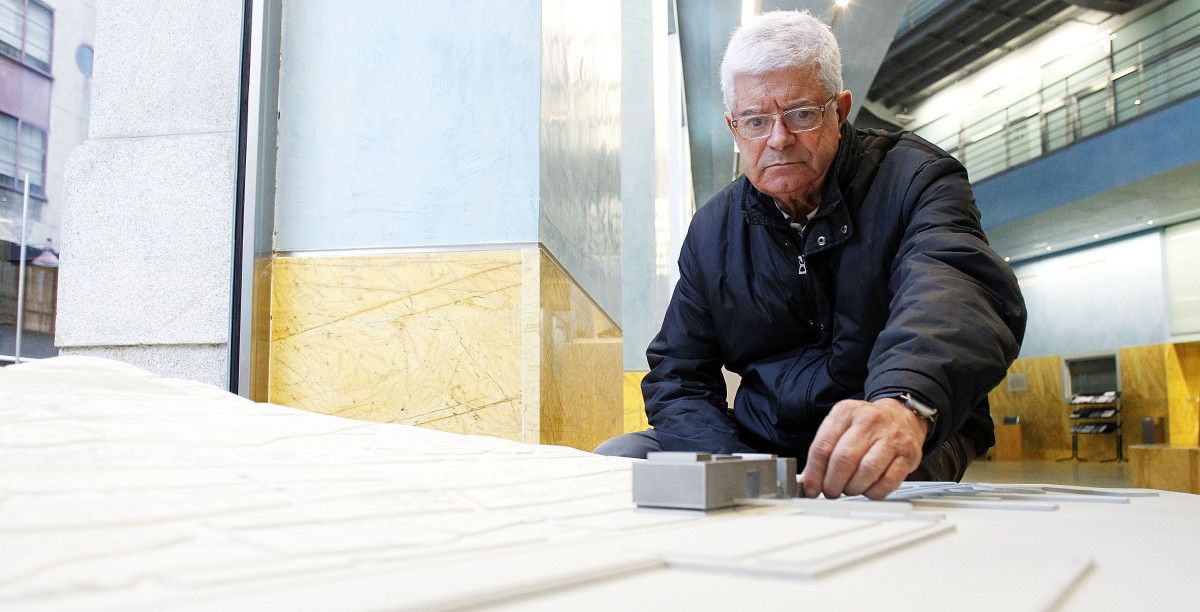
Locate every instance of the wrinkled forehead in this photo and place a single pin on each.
(777, 89)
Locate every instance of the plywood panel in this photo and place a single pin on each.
(635, 405)
(1008, 443)
(1143, 390)
(1041, 408)
(1172, 468)
(429, 339)
(1183, 393)
(581, 365)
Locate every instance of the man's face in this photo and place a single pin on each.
(787, 166)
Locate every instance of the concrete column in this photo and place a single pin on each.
(147, 222)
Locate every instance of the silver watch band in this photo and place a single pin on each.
(919, 408)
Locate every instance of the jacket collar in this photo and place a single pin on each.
(831, 225)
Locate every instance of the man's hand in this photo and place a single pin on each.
(864, 448)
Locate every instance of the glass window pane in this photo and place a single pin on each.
(32, 154)
(38, 30)
(10, 26)
(8, 147)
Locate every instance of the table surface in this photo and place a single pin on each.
(123, 490)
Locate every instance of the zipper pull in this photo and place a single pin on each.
(803, 267)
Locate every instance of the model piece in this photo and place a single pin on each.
(702, 481)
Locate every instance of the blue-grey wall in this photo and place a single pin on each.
(1142, 148)
(1095, 299)
(453, 124)
(408, 124)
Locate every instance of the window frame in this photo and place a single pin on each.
(18, 183)
(22, 55)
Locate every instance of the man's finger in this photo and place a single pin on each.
(900, 468)
(871, 468)
(812, 479)
(844, 462)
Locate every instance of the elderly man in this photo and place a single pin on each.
(845, 277)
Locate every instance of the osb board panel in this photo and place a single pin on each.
(1183, 392)
(260, 337)
(1166, 467)
(1041, 408)
(581, 367)
(635, 405)
(429, 339)
(1143, 394)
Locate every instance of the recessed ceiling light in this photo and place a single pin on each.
(1008, 259)
(1049, 248)
(1137, 102)
(1150, 222)
(842, 3)
(1095, 236)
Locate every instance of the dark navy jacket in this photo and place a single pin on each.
(892, 287)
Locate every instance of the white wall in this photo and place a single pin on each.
(1105, 297)
(1182, 253)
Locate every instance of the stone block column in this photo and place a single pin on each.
(149, 202)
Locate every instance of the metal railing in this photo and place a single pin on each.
(1156, 70)
(916, 12)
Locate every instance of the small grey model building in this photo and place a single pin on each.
(703, 481)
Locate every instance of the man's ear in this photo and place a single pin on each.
(729, 123)
(844, 101)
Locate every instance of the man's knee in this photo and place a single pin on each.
(635, 445)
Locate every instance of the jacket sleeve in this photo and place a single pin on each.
(684, 390)
(957, 316)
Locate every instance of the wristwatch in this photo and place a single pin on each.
(919, 408)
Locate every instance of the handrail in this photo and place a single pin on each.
(916, 13)
(1153, 71)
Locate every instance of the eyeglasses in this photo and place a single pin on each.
(803, 119)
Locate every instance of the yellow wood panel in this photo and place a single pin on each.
(1183, 393)
(429, 339)
(260, 338)
(1173, 468)
(1008, 443)
(1143, 392)
(1043, 413)
(581, 367)
(635, 406)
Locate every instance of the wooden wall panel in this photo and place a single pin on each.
(429, 339)
(1041, 408)
(1171, 468)
(1144, 390)
(581, 367)
(635, 406)
(1183, 392)
(501, 343)
(1044, 413)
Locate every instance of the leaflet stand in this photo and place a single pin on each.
(1096, 415)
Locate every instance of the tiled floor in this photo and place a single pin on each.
(1091, 474)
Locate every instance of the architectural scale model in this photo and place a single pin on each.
(123, 490)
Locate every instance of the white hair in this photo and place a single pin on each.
(782, 39)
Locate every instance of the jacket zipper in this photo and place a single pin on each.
(808, 291)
